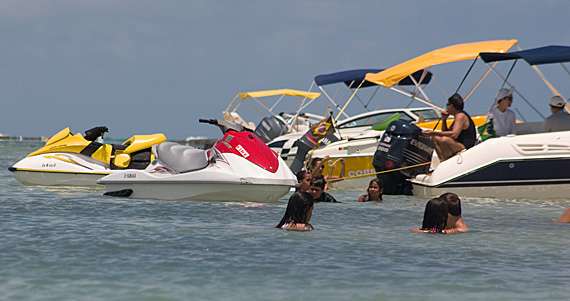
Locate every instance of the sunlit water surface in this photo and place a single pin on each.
(74, 243)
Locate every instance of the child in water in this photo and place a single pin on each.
(374, 192)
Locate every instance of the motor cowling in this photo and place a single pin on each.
(402, 147)
(270, 128)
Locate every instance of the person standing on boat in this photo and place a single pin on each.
(454, 219)
(298, 213)
(459, 136)
(559, 120)
(503, 119)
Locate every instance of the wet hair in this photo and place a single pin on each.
(299, 205)
(380, 186)
(453, 203)
(314, 163)
(435, 215)
(456, 101)
(319, 182)
(301, 175)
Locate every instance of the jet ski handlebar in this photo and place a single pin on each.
(225, 125)
(96, 132)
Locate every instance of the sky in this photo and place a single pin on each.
(144, 67)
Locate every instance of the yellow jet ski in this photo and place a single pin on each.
(80, 160)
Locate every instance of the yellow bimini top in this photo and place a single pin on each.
(267, 93)
(391, 76)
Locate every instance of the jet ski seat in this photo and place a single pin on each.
(181, 158)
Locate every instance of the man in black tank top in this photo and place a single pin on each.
(459, 136)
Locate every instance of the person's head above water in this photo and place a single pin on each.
(453, 203)
(304, 179)
(299, 209)
(317, 187)
(435, 215)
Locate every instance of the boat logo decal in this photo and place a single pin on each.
(229, 138)
(359, 173)
(160, 170)
(242, 151)
(383, 147)
(130, 175)
(387, 139)
(421, 146)
(64, 158)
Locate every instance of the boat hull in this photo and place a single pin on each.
(534, 166)
(57, 178)
(200, 191)
(230, 178)
(526, 191)
(64, 169)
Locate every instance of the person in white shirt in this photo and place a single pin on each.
(559, 120)
(503, 118)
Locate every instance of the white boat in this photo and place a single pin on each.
(281, 111)
(240, 167)
(78, 160)
(368, 124)
(528, 165)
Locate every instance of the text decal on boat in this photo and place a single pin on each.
(242, 151)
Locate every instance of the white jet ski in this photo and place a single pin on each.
(240, 167)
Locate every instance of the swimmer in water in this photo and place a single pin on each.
(435, 218)
(374, 192)
(298, 213)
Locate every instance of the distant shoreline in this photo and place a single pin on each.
(21, 138)
(202, 143)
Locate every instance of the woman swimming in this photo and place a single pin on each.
(435, 218)
(298, 213)
(374, 192)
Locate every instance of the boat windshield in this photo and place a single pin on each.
(427, 114)
(371, 120)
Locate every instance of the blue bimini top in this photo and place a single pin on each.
(353, 78)
(536, 56)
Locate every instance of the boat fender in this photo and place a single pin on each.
(119, 193)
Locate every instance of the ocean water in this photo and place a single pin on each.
(65, 243)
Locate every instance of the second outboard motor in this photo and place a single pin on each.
(270, 128)
(401, 145)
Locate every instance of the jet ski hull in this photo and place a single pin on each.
(214, 183)
(200, 191)
(59, 169)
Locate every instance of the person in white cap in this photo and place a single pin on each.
(559, 120)
(503, 118)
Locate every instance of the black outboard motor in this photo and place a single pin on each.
(270, 128)
(401, 145)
